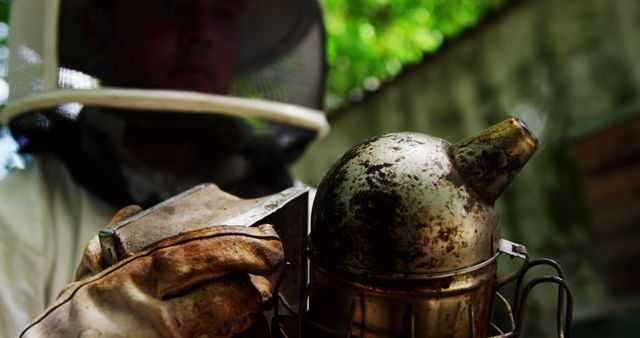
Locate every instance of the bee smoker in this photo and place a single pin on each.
(405, 239)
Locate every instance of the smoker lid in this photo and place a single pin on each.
(395, 204)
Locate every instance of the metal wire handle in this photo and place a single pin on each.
(563, 321)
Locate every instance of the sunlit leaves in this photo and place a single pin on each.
(370, 41)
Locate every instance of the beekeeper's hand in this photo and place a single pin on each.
(197, 284)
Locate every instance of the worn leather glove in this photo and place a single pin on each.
(203, 283)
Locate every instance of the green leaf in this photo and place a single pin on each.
(376, 39)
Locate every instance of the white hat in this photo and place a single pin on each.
(48, 46)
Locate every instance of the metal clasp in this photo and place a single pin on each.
(521, 294)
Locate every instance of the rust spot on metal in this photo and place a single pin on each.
(442, 283)
(470, 204)
(375, 211)
(446, 234)
(454, 179)
(490, 160)
(372, 169)
(406, 139)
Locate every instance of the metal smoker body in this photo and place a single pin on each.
(404, 236)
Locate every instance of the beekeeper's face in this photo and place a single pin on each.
(171, 44)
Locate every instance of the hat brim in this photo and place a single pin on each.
(173, 101)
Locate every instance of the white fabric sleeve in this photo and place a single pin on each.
(45, 220)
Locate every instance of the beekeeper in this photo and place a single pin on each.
(130, 102)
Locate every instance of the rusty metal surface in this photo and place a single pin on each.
(404, 236)
(452, 307)
(395, 204)
(489, 160)
(411, 203)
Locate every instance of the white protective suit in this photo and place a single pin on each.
(45, 221)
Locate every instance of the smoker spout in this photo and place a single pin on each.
(489, 160)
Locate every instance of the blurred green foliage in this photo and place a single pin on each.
(370, 41)
(4, 10)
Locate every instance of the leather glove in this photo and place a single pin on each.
(203, 283)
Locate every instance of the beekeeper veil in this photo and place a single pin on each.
(145, 98)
